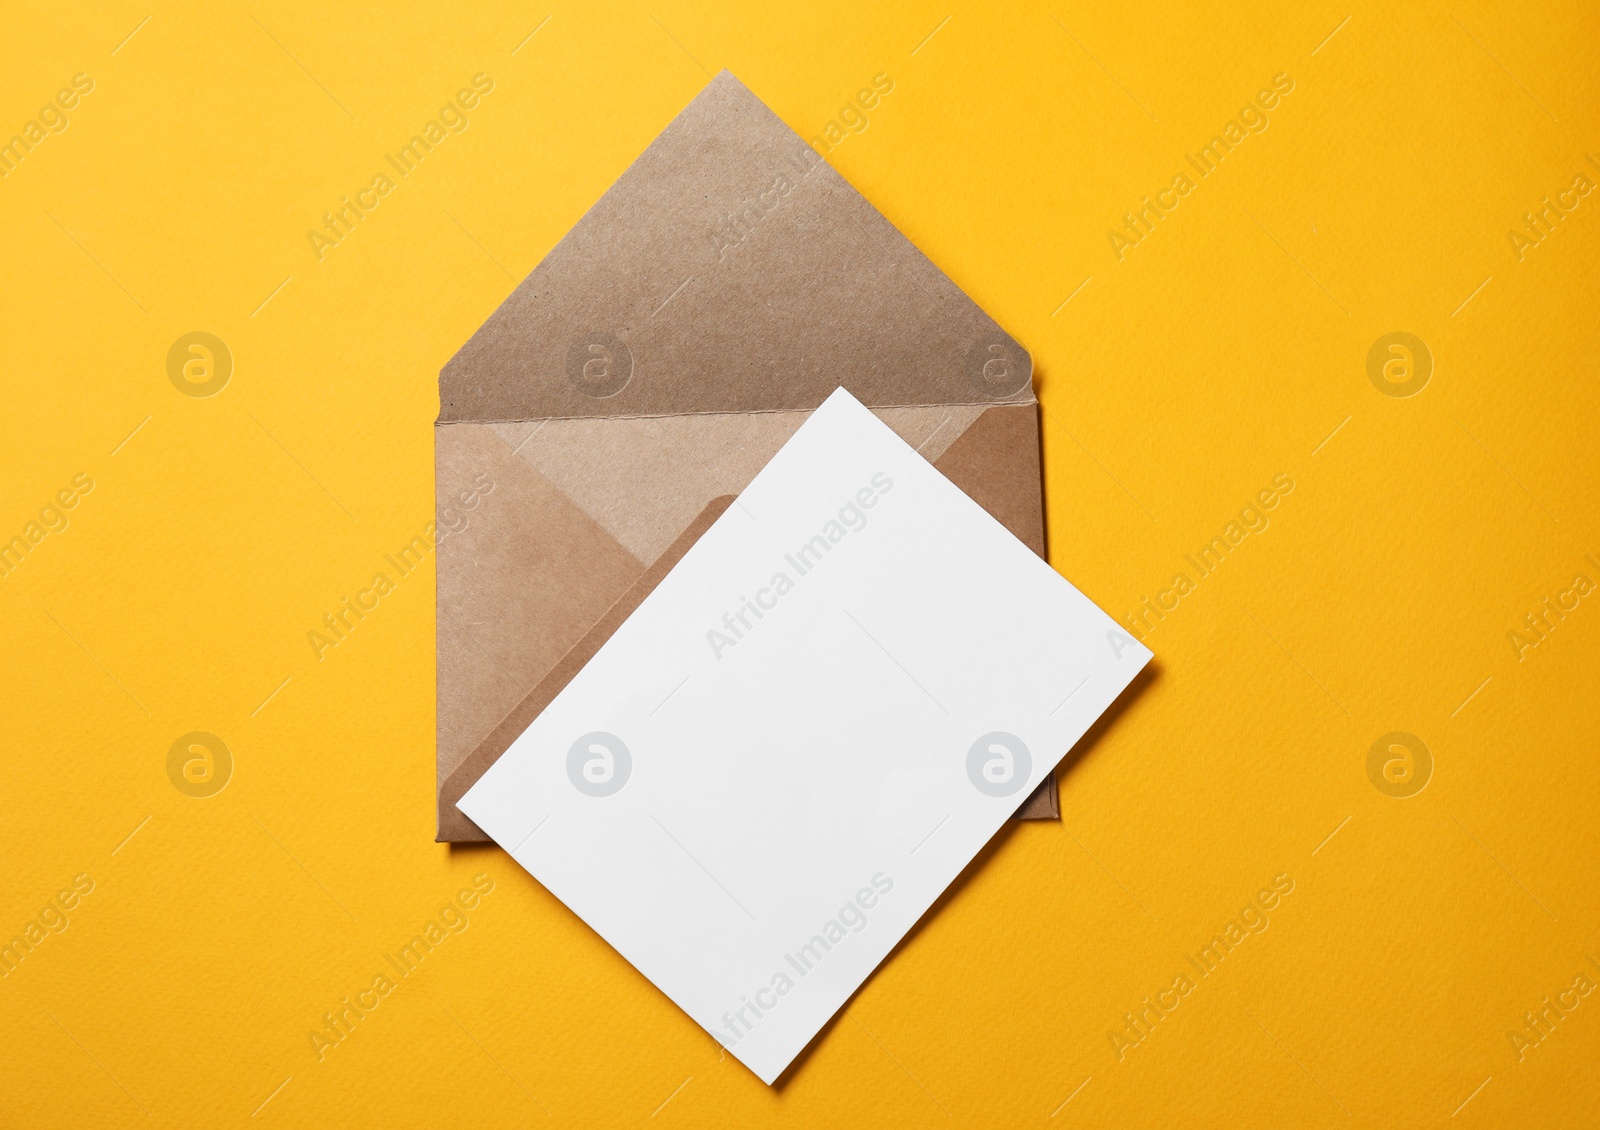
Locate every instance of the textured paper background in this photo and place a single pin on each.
(1226, 348)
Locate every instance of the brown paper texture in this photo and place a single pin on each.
(647, 369)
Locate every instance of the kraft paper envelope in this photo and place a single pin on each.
(788, 751)
(655, 360)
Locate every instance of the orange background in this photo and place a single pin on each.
(1228, 346)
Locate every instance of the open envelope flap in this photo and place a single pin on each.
(730, 269)
(601, 408)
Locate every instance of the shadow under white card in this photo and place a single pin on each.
(798, 740)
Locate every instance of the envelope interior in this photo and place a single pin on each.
(566, 514)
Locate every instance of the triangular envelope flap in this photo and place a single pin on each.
(730, 269)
